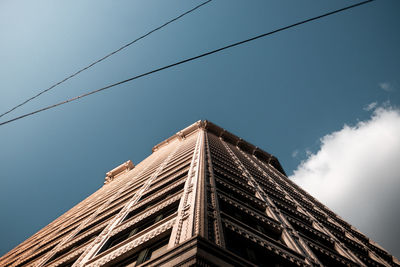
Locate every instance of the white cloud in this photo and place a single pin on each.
(356, 172)
(386, 86)
(371, 106)
(295, 153)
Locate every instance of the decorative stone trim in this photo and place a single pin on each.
(348, 238)
(227, 176)
(162, 192)
(264, 218)
(323, 218)
(27, 255)
(314, 231)
(299, 260)
(144, 215)
(117, 171)
(68, 256)
(129, 244)
(187, 219)
(82, 236)
(333, 256)
(94, 247)
(291, 237)
(299, 214)
(160, 181)
(369, 261)
(245, 195)
(213, 216)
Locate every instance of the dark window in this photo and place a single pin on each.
(77, 244)
(327, 260)
(311, 233)
(148, 253)
(172, 180)
(172, 191)
(153, 202)
(251, 251)
(140, 226)
(249, 200)
(96, 222)
(249, 221)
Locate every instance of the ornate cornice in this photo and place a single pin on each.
(228, 137)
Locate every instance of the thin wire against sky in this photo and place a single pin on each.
(187, 60)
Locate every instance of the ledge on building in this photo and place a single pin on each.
(118, 171)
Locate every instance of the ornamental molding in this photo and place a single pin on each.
(298, 259)
(264, 217)
(69, 255)
(95, 246)
(233, 188)
(144, 215)
(227, 136)
(332, 255)
(187, 219)
(130, 244)
(288, 210)
(160, 193)
(163, 183)
(119, 170)
(314, 231)
(211, 198)
(230, 177)
(82, 236)
(290, 236)
(234, 183)
(318, 224)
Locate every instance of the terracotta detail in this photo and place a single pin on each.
(231, 196)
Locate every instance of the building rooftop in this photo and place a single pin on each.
(226, 136)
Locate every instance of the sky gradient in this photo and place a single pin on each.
(283, 93)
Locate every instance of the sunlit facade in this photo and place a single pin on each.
(204, 197)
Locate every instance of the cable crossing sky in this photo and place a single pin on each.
(105, 57)
(187, 60)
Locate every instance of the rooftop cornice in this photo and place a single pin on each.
(226, 136)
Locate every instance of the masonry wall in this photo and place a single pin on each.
(203, 197)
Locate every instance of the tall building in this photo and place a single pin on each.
(204, 197)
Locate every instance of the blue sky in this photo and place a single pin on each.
(282, 93)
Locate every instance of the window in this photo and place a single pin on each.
(148, 253)
(140, 226)
(154, 202)
(84, 240)
(249, 221)
(154, 191)
(252, 251)
(24, 262)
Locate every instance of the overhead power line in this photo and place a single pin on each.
(105, 57)
(187, 60)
